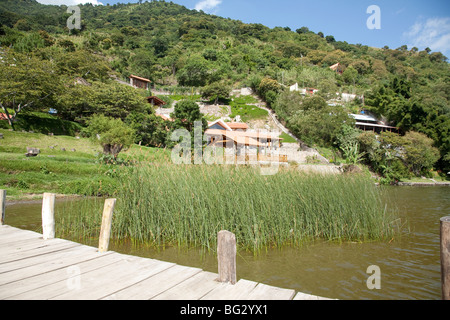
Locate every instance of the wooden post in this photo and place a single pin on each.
(2, 206)
(105, 231)
(48, 216)
(445, 257)
(226, 256)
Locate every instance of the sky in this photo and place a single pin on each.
(415, 23)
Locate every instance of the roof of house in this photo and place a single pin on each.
(221, 123)
(156, 101)
(335, 66)
(140, 78)
(165, 117)
(374, 125)
(237, 125)
(237, 134)
(362, 117)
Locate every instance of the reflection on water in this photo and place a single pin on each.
(410, 264)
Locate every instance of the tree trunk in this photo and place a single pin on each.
(8, 116)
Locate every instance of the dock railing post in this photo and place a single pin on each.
(226, 256)
(105, 232)
(2, 206)
(48, 216)
(445, 257)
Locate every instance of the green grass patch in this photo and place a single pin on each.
(287, 138)
(80, 171)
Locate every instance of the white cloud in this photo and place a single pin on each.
(69, 2)
(433, 33)
(207, 5)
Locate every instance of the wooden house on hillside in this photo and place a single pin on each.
(138, 82)
(155, 101)
(369, 123)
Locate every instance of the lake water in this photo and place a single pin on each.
(409, 264)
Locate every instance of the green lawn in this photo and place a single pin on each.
(287, 138)
(77, 170)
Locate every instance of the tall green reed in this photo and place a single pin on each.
(166, 204)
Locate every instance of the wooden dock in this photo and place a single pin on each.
(56, 269)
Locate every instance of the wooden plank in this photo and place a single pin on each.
(28, 244)
(52, 246)
(226, 291)
(8, 235)
(42, 286)
(36, 265)
(108, 280)
(151, 287)
(191, 289)
(266, 292)
(305, 296)
(17, 242)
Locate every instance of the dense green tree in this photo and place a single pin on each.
(186, 112)
(216, 91)
(194, 73)
(26, 82)
(112, 134)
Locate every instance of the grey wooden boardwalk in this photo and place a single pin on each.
(33, 268)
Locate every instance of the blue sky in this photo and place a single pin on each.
(415, 23)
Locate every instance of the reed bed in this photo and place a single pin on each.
(186, 205)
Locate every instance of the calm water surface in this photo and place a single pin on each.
(409, 264)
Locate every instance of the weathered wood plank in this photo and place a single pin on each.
(106, 281)
(193, 288)
(151, 287)
(36, 287)
(40, 249)
(36, 265)
(305, 296)
(266, 292)
(228, 291)
(8, 234)
(28, 244)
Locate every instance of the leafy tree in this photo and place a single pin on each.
(420, 155)
(318, 123)
(194, 73)
(186, 112)
(112, 134)
(26, 82)
(216, 91)
(350, 75)
(151, 130)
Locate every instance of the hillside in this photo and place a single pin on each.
(178, 49)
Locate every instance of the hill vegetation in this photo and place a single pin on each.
(46, 65)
